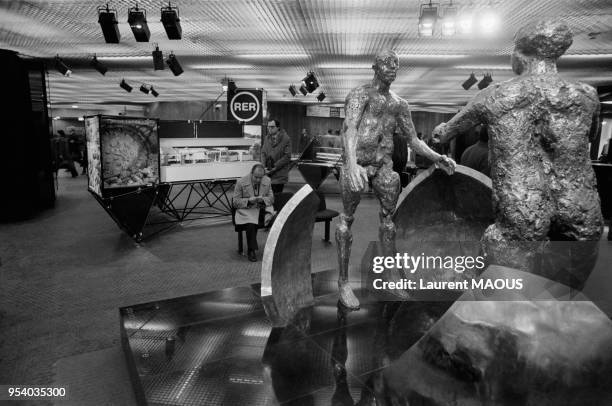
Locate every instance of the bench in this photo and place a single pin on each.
(280, 199)
(325, 215)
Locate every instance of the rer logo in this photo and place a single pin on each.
(245, 106)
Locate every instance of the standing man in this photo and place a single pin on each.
(373, 114)
(538, 126)
(276, 155)
(251, 194)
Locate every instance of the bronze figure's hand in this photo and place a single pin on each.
(357, 177)
(440, 131)
(446, 164)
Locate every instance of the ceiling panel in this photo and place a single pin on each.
(272, 44)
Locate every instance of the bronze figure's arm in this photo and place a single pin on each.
(593, 99)
(469, 116)
(355, 104)
(407, 130)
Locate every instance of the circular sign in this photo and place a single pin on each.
(244, 106)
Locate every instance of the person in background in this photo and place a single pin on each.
(477, 155)
(304, 139)
(337, 133)
(74, 147)
(276, 156)
(252, 193)
(606, 156)
(62, 158)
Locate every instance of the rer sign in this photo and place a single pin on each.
(245, 105)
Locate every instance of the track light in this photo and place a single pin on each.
(154, 92)
(231, 87)
(486, 81)
(465, 22)
(97, 65)
(125, 86)
(170, 20)
(449, 22)
(488, 21)
(292, 90)
(137, 18)
(470, 81)
(321, 97)
(303, 90)
(224, 84)
(310, 82)
(174, 64)
(144, 89)
(107, 18)
(62, 67)
(158, 59)
(428, 19)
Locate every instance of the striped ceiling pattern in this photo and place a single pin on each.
(271, 44)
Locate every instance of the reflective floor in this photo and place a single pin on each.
(219, 348)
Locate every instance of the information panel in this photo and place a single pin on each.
(130, 152)
(94, 164)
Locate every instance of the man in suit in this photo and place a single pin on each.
(252, 193)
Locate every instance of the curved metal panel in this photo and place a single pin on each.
(286, 285)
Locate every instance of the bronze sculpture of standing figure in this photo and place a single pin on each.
(373, 114)
(543, 182)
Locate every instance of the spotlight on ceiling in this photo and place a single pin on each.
(97, 65)
(486, 81)
(145, 89)
(224, 84)
(174, 64)
(310, 82)
(231, 87)
(303, 90)
(449, 21)
(158, 59)
(321, 97)
(62, 67)
(428, 19)
(488, 21)
(292, 90)
(170, 20)
(470, 81)
(137, 18)
(465, 22)
(125, 86)
(107, 17)
(154, 92)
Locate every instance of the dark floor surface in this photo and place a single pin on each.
(65, 273)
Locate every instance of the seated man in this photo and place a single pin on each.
(251, 194)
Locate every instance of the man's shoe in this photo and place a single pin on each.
(252, 257)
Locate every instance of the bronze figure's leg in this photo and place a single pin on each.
(578, 224)
(387, 188)
(344, 240)
(386, 185)
(523, 217)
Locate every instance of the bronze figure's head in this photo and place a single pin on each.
(541, 40)
(385, 66)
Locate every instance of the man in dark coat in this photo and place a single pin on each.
(276, 155)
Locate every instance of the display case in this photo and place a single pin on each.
(216, 150)
(123, 152)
